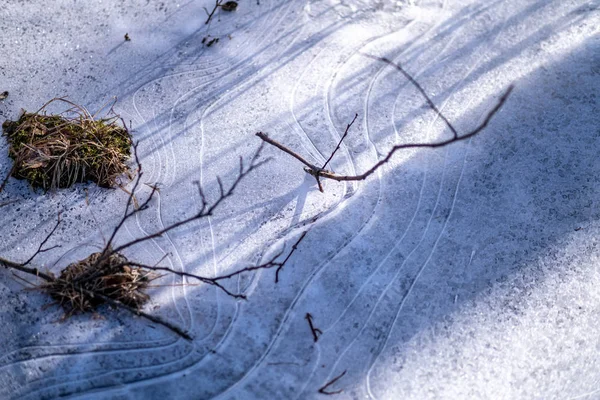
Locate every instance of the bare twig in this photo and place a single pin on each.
(116, 303)
(40, 248)
(322, 173)
(323, 389)
(316, 332)
(128, 214)
(95, 294)
(5, 180)
(281, 147)
(271, 263)
(8, 202)
(205, 209)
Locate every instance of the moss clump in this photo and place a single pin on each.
(58, 150)
(112, 277)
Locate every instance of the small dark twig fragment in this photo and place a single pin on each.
(8, 202)
(4, 95)
(212, 41)
(127, 38)
(323, 389)
(316, 332)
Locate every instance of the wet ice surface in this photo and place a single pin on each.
(466, 271)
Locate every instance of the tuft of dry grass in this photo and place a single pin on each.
(57, 150)
(112, 277)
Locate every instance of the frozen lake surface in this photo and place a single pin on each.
(468, 271)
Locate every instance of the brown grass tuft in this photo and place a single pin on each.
(58, 150)
(112, 278)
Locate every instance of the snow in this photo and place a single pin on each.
(469, 271)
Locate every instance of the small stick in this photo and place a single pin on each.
(323, 389)
(135, 311)
(316, 332)
(27, 270)
(8, 202)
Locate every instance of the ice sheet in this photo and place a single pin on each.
(469, 271)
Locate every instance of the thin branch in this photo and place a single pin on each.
(294, 247)
(127, 214)
(316, 332)
(117, 304)
(40, 248)
(323, 389)
(217, 5)
(5, 181)
(420, 89)
(321, 173)
(340, 142)
(271, 263)
(326, 174)
(8, 202)
(210, 281)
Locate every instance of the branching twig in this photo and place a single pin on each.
(205, 209)
(128, 214)
(85, 283)
(40, 249)
(271, 263)
(318, 173)
(316, 332)
(323, 389)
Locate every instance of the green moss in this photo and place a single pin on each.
(56, 151)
